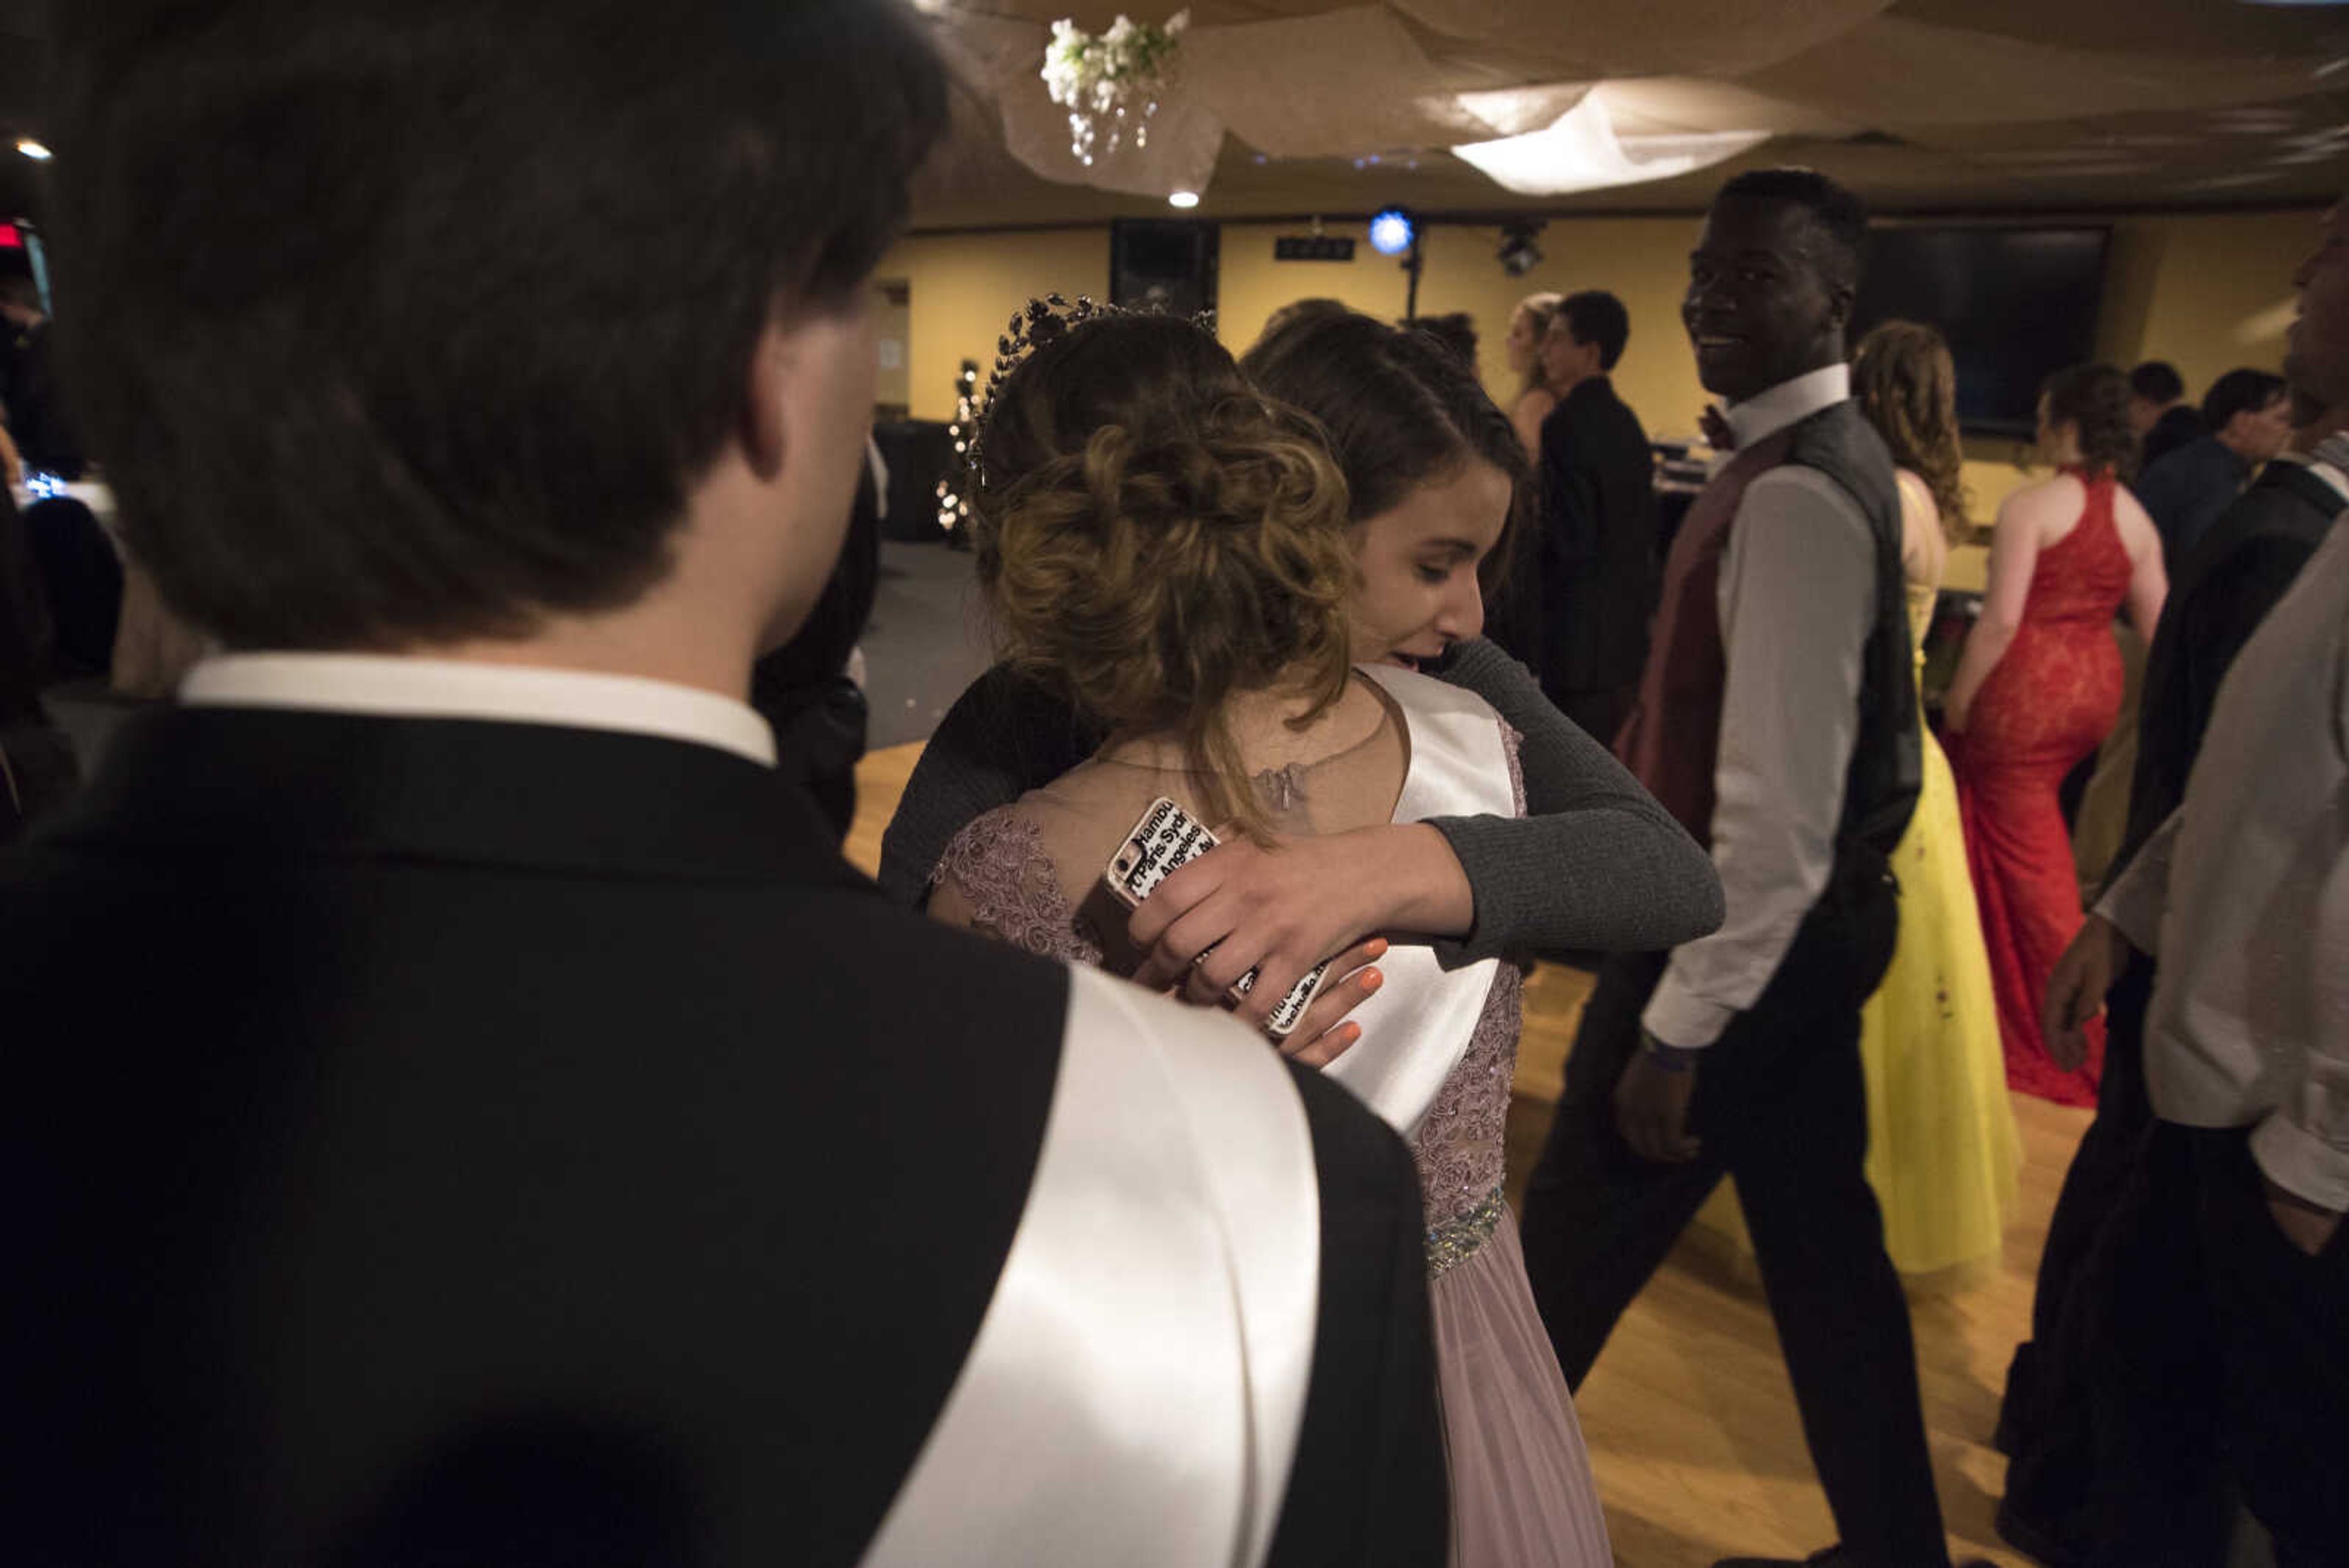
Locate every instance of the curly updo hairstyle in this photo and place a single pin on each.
(1154, 535)
(1904, 381)
(2095, 398)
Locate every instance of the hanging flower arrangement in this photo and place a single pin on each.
(1111, 84)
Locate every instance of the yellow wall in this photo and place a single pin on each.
(964, 287)
(2206, 292)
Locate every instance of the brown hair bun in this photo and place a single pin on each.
(1155, 536)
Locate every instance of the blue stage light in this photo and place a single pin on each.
(1391, 232)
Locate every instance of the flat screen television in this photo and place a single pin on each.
(2016, 304)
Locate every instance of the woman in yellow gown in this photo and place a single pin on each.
(1942, 1148)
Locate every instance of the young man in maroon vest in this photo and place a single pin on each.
(1776, 719)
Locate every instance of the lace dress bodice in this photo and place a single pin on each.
(1004, 867)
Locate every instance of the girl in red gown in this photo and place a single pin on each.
(2037, 690)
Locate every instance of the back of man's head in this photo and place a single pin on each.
(1597, 318)
(2158, 383)
(404, 321)
(2239, 392)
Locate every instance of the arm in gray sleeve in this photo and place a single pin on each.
(1004, 736)
(1596, 863)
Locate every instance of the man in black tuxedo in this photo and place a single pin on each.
(461, 1110)
(1599, 568)
(2068, 1465)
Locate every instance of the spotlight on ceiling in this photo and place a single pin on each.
(1519, 254)
(1183, 199)
(1393, 230)
(32, 149)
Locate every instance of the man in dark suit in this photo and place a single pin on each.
(2246, 419)
(1599, 571)
(462, 1110)
(2221, 594)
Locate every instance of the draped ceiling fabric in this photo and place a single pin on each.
(1282, 105)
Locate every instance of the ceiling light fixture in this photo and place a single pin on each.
(36, 152)
(1185, 198)
(1580, 152)
(1519, 254)
(1393, 230)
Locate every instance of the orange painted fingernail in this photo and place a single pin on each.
(1372, 980)
(1378, 946)
(1353, 1033)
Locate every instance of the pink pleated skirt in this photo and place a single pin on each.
(1522, 1496)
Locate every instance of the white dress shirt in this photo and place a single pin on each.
(1797, 599)
(2243, 895)
(453, 689)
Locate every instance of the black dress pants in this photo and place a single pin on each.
(2089, 1271)
(2219, 1371)
(1779, 1103)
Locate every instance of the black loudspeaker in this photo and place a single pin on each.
(1163, 264)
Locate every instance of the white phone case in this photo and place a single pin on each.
(1166, 838)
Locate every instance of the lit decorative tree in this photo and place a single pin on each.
(954, 486)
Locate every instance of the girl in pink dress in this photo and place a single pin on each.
(1177, 553)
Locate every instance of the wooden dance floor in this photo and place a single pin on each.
(1690, 1422)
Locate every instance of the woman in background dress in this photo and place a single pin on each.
(2037, 690)
(1528, 324)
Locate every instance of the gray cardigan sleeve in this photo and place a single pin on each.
(1595, 864)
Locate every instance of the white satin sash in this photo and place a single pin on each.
(1136, 1388)
(1419, 1024)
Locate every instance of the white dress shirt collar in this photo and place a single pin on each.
(1765, 414)
(453, 688)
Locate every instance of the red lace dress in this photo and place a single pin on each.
(2047, 705)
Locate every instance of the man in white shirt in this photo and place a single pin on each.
(461, 1108)
(1777, 720)
(2243, 899)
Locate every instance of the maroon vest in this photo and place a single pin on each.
(1672, 738)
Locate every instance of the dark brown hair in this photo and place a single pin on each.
(406, 321)
(1400, 412)
(2095, 399)
(1907, 388)
(1155, 536)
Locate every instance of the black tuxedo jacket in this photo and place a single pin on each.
(465, 1142)
(2218, 598)
(1600, 573)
